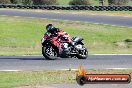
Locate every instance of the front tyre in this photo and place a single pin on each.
(82, 54)
(49, 53)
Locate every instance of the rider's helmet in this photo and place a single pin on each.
(49, 27)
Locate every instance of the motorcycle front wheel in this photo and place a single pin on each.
(49, 53)
(82, 54)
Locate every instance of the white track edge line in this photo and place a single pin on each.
(69, 69)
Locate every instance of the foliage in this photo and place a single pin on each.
(118, 2)
(4, 1)
(15, 1)
(27, 2)
(44, 2)
(79, 2)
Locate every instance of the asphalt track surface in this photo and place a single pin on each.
(37, 63)
(113, 20)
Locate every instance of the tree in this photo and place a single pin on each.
(5, 2)
(44, 2)
(79, 2)
(14, 1)
(101, 2)
(118, 2)
(27, 2)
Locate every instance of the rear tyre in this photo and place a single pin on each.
(49, 53)
(82, 54)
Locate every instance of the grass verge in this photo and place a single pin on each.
(21, 36)
(25, 78)
(33, 78)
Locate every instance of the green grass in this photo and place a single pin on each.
(42, 78)
(21, 36)
(25, 78)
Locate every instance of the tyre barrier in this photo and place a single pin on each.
(75, 7)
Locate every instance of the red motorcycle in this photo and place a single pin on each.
(63, 46)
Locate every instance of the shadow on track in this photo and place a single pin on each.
(23, 57)
(30, 58)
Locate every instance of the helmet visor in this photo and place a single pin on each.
(50, 28)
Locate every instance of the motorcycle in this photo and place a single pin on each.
(63, 46)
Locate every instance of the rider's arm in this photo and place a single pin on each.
(46, 35)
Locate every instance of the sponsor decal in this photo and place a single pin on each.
(83, 78)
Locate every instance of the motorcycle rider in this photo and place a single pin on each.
(51, 29)
(64, 45)
(54, 32)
